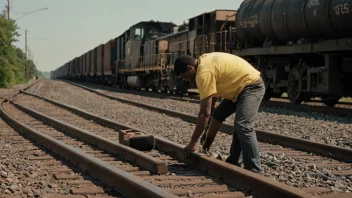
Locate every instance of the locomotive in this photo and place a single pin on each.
(301, 47)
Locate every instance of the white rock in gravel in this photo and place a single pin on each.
(282, 179)
(10, 174)
(13, 188)
(7, 191)
(9, 180)
(26, 190)
(3, 174)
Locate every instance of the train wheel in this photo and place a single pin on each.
(294, 87)
(330, 101)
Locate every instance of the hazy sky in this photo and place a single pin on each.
(72, 27)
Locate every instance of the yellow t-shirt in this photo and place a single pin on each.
(224, 75)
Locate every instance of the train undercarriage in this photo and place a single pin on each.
(153, 80)
(306, 76)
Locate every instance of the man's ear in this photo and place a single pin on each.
(190, 68)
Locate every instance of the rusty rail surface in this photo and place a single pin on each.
(330, 151)
(127, 183)
(230, 174)
(148, 162)
(259, 185)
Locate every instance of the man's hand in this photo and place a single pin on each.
(191, 147)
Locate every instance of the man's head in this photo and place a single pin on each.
(185, 66)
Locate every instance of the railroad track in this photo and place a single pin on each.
(316, 101)
(115, 167)
(286, 105)
(319, 162)
(90, 161)
(331, 151)
(29, 169)
(345, 109)
(39, 172)
(181, 175)
(283, 99)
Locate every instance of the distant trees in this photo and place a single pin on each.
(12, 59)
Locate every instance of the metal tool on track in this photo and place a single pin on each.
(137, 140)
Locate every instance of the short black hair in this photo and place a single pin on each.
(181, 63)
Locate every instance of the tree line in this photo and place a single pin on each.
(12, 58)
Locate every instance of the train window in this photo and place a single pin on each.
(138, 33)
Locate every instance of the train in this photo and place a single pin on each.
(301, 47)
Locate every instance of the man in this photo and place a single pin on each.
(240, 85)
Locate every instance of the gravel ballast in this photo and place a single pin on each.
(28, 170)
(319, 127)
(275, 165)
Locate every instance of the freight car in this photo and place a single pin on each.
(302, 47)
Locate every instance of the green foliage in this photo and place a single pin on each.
(41, 74)
(12, 59)
(6, 75)
(8, 34)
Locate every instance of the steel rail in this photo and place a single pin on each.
(125, 182)
(230, 174)
(301, 107)
(330, 151)
(148, 162)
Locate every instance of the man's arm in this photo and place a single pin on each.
(206, 84)
(214, 99)
(203, 118)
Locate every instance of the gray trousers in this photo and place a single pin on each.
(244, 139)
